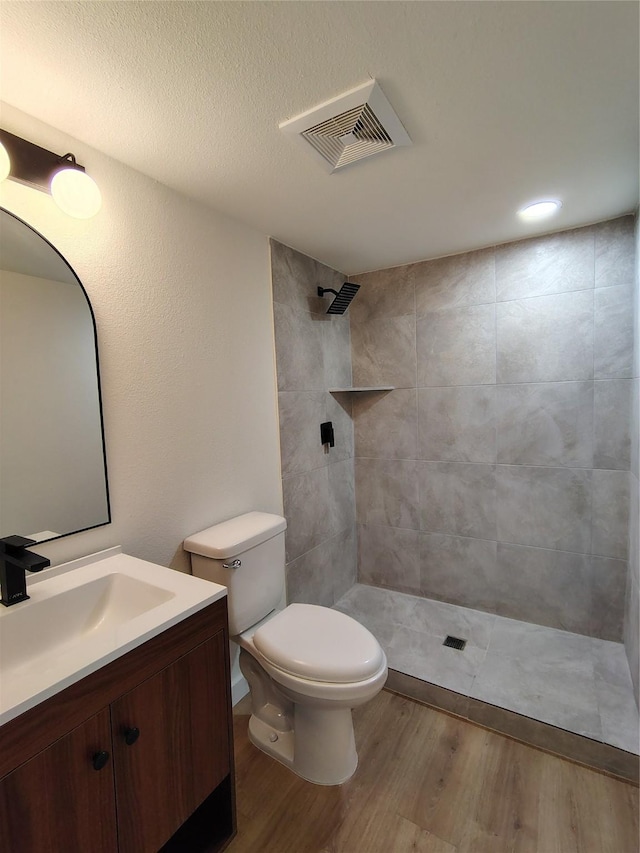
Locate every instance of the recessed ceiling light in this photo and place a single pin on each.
(539, 210)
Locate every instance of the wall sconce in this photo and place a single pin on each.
(72, 189)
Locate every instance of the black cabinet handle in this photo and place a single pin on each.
(131, 735)
(100, 760)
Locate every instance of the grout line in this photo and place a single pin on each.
(476, 385)
(318, 467)
(496, 301)
(486, 464)
(510, 384)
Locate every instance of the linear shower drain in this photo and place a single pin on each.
(455, 643)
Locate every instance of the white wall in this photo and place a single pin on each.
(182, 300)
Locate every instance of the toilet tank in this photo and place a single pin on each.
(255, 587)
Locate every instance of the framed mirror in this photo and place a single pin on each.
(53, 473)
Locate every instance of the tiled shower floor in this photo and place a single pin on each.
(576, 683)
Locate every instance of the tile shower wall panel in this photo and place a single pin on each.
(457, 424)
(518, 491)
(458, 497)
(455, 282)
(383, 352)
(389, 556)
(457, 346)
(386, 424)
(318, 504)
(608, 593)
(546, 338)
(296, 278)
(387, 493)
(549, 423)
(313, 355)
(612, 424)
(301, 413)
(574, 592)
(547, 587)
(336, 351)
(635, 421)
(307, 504)
(616, 259)
(610, 514)
(545, 507)
(555, 263)
(462, 570)
(300, 364)
(632, 603)
(390, 293)
(613, 332)
(326, 572)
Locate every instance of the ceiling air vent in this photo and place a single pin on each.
(348, 128)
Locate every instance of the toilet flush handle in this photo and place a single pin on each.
(234, 564)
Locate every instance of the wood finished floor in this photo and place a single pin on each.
(430, 782)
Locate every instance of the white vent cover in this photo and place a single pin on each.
(348, 128)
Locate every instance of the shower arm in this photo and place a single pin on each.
(323, 290)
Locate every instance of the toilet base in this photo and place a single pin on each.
(325, 745)
(278, 745)
(306, 725)
(321, 749)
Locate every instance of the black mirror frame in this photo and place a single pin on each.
(95, 343)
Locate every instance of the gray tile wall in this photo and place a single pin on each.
(496, 475)
(313, 354)
(632, 620)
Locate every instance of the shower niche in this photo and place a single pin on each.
(359, 389)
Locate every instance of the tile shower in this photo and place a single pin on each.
(493, 484)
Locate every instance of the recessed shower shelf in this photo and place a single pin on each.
(362, 388)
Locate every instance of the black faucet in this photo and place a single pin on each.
(14, 561)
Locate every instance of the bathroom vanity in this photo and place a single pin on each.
(119, 737)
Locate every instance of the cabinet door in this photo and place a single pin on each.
(58, 802)
(181, 753)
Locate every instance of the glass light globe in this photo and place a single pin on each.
(5, 163)
(539, 210)
(76, 193)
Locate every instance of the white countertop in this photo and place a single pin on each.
(84, 614)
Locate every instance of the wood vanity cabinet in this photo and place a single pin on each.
(135, 758)
(57, 801)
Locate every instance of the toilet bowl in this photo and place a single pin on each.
(307, 666)
(303, 713)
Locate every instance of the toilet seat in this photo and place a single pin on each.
(319, 644)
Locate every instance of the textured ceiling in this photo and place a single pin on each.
(505, 102)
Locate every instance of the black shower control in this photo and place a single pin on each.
(326, 434)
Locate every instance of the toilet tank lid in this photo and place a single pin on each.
(235, 536)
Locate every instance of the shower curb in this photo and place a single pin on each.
(582, 750)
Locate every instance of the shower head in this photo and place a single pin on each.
(343, 297)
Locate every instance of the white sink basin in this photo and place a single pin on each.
(38, 632)
(83, 615)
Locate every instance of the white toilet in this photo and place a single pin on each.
(307, 666)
